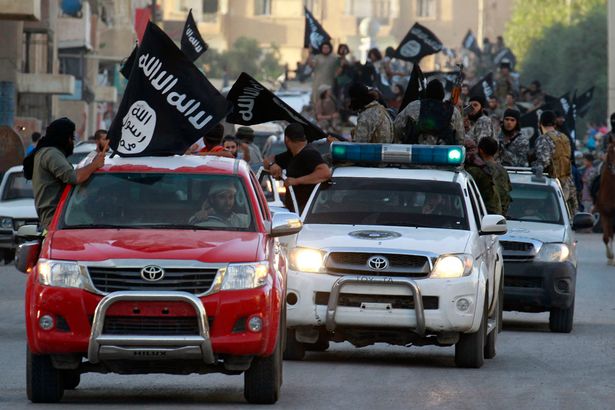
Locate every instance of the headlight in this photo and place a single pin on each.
(452, 266)
(553, 252)
(306, 260)
(61, 274)
(245, 275)
(6, 223)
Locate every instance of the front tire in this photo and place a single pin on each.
(470, 349)
(44, 382)
(561, 320)
(295, 350)
(263, 380)
(71, 379)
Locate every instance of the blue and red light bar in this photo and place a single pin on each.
(438, 155)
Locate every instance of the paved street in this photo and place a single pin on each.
(534, 369)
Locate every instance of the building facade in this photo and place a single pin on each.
(353, 22)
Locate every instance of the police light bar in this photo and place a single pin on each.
(443, 155)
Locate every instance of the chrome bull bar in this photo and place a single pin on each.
(142, 347)
(359, 280)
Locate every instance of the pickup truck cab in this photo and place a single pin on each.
(396, 248)
(16, 209)
(159, 265)
(540, 264)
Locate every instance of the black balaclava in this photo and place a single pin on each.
(59, 134)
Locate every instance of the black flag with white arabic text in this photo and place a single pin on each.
(255, 104)
(129, 62)
(470, 43)
(168, 103)
(418, 43)
(314, 34)
(505, 55)
(192, 43)
(484, 87)
(583, 102)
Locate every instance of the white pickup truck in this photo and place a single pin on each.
(391, 253)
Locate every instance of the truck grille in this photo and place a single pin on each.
(522, 282)
(396, 301)
(151, 326)
(356, 263)
(191, 280)
(517, 251)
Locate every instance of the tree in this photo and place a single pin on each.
(572, 56)
(245, 55)
(531, 18)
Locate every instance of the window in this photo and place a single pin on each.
(426, 8)
(534, 204)
(17, 187)
(389, 202)
(160, 201)
(262, 7)
(210, 6)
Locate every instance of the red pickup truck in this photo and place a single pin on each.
(159, 265)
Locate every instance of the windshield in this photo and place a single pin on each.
(534, 203)
(17, 187)
(161, 201)
(390, 202)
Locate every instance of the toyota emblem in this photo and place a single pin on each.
(152, 273)
(378, 263)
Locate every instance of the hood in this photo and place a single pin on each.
(383, 237)
(203, 246)
(19, 208)
(535, 230)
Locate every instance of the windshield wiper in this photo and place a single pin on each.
(185, 226)
(95, 226)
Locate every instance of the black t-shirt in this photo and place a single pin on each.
(304, 163)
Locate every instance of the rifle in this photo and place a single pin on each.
(456, 91)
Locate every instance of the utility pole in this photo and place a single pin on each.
(611, 55)
(480, 31)
(154, 11)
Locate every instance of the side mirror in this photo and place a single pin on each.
(285, 223)
(583, 220)
(27, 256)
(493, 225)
(28, 232)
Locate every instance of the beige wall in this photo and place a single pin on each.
(285, 25)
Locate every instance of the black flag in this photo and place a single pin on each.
(484, 87)
(168, 103)
(504, 55)
(448, 78)
(583, 102)
(470, 43)
(192, 43)
(255, 104)
(418, 43)
(314, 34)
(129, 62)
(416, 86)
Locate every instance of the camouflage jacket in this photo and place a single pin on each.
(373, 125)
(545, 151)
(480, 129)
(484, 178)
(514, 152)
(412, 112)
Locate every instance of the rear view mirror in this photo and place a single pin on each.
(493, 225)
(583, 220)
(28, 232)
(285, 223)
(27, 256)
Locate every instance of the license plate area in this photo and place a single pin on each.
(372, 306)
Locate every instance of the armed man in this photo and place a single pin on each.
(553, 157)
(430, 120)
(514, 145)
